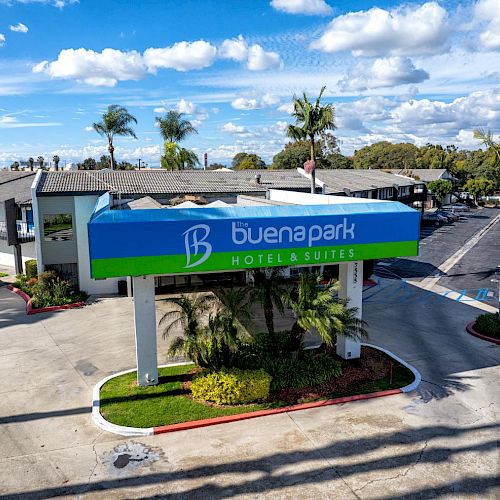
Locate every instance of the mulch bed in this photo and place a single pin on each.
(372, 366)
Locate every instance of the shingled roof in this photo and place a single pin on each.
(16, 185)
(158, 182)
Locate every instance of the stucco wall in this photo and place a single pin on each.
(7, 256)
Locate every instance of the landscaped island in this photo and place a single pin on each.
(234, 372)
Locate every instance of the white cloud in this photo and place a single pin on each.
(309, 7)
(56, 3)
(257, 59)
(231, 128)
(234, 48)
(89, 129)
(13, 122)
(187, 107)
(488, 12)
(377, 32)
(260, 60)
(385, 72)
(182, 56)
(100, 69)
(2, 39)
(286, 108)
(265, 101)
(244, 103)
(19, 28)
(161, 109)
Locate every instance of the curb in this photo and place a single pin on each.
(101, 422)
(29, 307)
(470, 329)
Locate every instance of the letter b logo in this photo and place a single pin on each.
(197, 248)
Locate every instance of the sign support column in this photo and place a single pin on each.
(145, 330)
(351, 289)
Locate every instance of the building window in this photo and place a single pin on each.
(58, 227)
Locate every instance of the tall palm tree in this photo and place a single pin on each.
(311, 119)
(316, 307)
(56, 161)
(116, 121)
(174, 127)
(269, 289)
(40, 161)
(31, 161)
(487, 139)
(186, 315)
(236, 303)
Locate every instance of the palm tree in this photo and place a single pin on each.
(56, 161)
(187, 159)
(31, 161)
(174, 127)
(116, 121)
(316, 307)
(487, 139)
(269, 289)
(186, 315)
(40, 161)
(236, 303)
(311, 119)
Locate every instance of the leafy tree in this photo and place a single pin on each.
(487, 139)
(479, 187)
(14, 165)
(40, 161)
(247, 164)
(174, 127)
(125, 165)
(256, 161)
(87, 164)
(292, 156)
(440, 189)
(311, 120)
(315, 306)
(116, 121)
(104, 162)
(336, 160)
(216, 166)
(168, 160)
(56, 161)
(386, 155)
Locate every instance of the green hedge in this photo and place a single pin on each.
(229, 387)
(31, 269)
(488, 324)
(309, 370)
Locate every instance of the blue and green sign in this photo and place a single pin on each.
(180, 241)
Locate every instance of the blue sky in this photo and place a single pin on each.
(414, 71)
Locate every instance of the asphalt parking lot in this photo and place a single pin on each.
(474, 270)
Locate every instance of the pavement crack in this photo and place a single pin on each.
(95, 465)
(401, 474)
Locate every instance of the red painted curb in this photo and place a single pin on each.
(29, 306)
(470, 329)
(369, 283)
(195, 424)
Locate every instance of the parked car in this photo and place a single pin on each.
(433, 219)
(451, 216)
(456, 208)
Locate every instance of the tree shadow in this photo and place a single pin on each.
(284, 470)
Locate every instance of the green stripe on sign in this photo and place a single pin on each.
(233, 261)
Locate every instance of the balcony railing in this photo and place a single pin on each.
(25, 231)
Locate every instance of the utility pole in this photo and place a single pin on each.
(139, 160)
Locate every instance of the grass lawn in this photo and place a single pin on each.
(124, 403)
(3, 274)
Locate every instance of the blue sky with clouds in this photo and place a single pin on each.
(414, 71)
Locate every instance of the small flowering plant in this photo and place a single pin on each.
(309, 166)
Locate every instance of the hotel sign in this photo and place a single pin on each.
(141, 242)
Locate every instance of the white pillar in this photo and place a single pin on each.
(351, 288)
(145, 330)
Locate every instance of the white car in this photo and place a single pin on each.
(456, 208)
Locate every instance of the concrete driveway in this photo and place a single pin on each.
(440, 442)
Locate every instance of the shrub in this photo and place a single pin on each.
(231, 386)
(309, 370)
(488, 324)
(31, 269)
